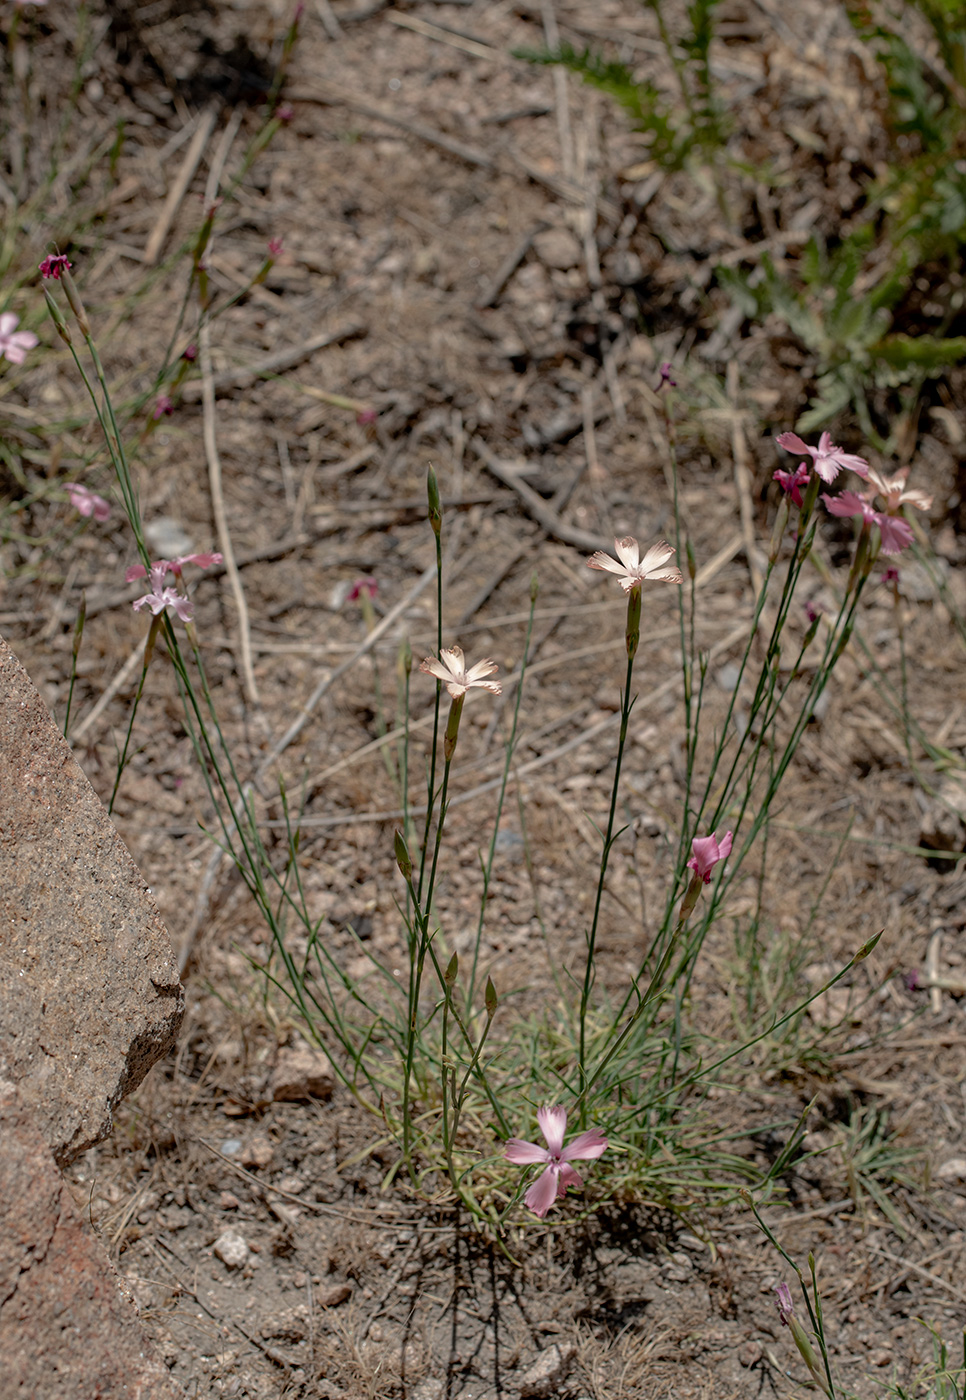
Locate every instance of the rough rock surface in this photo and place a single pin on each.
(66, 1330)
(90, 995)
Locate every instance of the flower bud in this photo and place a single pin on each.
(452, 727)
(490, 997)
(402, 856)
(76, 305)
(452, 970)
(435, 508)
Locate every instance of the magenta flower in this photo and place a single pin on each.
(366, 416)
(190, 353)
(828, 459)
(204, 561)
(275, 246)
(665, 373)
(707, 851)
(792, 482)
(896, 533)
(632, 569)
(812, 611)
(362, 585)
(163, 407)
(786, 1308)
(161, 597)
(284, 113)
(54, 264)
(890, 574)
(13, 343)
(88, 502)
(559, 1174)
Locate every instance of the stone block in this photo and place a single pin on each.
(90, 995)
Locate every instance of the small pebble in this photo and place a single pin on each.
(231, 1249)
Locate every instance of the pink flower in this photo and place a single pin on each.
(366, 416)
(204, 561)
(665, 372)
(275, 246)
(708, 850)
(786, 1308)
(88, 502)
(362, 585)
(284, 113)
(13, 343)
(190, 353)
(163, 407)
(890, 574)
(895, 492)
(896, 534)
(812, 611)
(829, 460)
(632, 569)
(54, 264)
(451, 670)
(792, 482)
(559, 1174)
(161, 597)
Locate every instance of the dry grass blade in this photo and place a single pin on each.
(179, 189)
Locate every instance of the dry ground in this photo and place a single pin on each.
(501, 279)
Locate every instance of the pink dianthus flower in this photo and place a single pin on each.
(558, 1174)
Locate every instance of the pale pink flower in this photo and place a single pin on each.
(53, 265)
(284, 113)
(792, 482)
(451, 670)
(829, 460)
(366, 417)
(362, 585)
(707, 852)
(786, 1308)
(13, 343)
(161, 597)
(559, 1174)
(895, 492)
(163, 407)
(632, 570)
(274, 247)
(88, 502)
(896, 533)
(204, 561)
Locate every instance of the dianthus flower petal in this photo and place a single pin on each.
(553, 1124)
(523, 1153)
(585, 1147)
(542, 1194)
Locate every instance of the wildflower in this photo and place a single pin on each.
(190, 353)
(204, 561)
(13, 343)
(275, 246)
(632, 569)
(895, 493)
(54, 265)
(896, 533)
(665, 372)
(912, 980)
(88, 502)
(368, 586)
(786, 1308)
(890, 574)
(284, 113)
(366, 416)
(812, 611)
(450, 669)
(828, 459)
(792, 482)
(163, 407)
(708, 850)
(559, 1174)
(161, 597)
